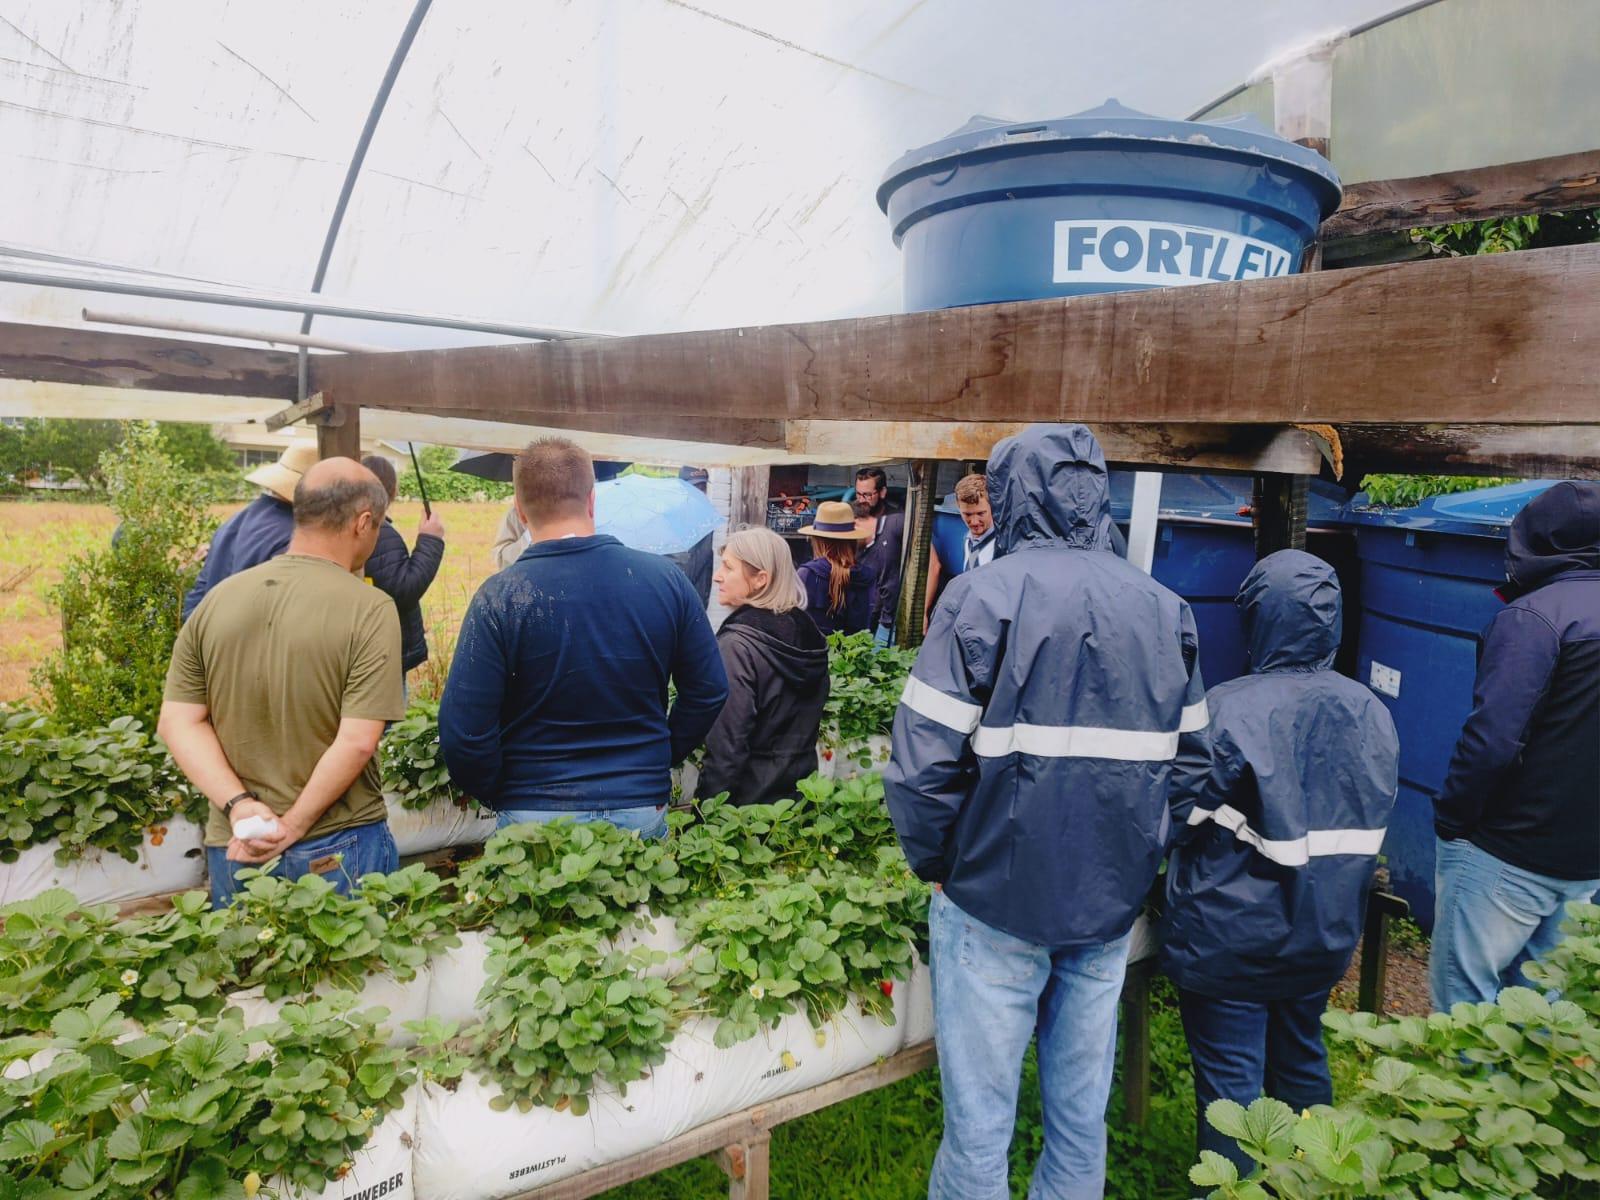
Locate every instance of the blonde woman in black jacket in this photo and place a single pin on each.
(765, 739)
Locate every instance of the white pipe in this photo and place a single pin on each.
(295, 302)
(1142, 520)
(229, 331)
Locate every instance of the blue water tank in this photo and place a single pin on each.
(1102, 201)
(1205, 546)
(1428, 576)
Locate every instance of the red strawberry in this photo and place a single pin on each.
(886, 986)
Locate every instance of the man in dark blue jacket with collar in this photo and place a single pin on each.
(1028, 779)
(261, 529)
(1518, 817)
(1280, 831)
(556, 704)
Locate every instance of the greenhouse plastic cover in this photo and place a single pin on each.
(609, 165)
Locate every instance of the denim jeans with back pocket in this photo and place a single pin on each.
(1489, 919)
(991, 993)
(341, 858)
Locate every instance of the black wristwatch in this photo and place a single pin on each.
(227, 809)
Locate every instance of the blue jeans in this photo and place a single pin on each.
(1244, 1049)
(342, 858)
(648, 821)
(1489, 919)
(991, 993)
(883, 636)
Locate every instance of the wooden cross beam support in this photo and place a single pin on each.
(1500, 340)
(99, 357)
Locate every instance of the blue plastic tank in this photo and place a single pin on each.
(1105, 200)
(1205, 547)
(1428, 576)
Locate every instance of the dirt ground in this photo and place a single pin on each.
(1406, 993)
(36, 539)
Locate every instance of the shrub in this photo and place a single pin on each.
(121, 605)
(1405, 491)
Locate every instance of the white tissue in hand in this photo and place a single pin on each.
(251, 828)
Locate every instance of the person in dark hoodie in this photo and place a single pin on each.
(1281, 827)
(1518, 815)
(1028, 779)
(765, 738)
(261, 529)
(405, 574)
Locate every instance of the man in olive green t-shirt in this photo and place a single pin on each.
(280, 685)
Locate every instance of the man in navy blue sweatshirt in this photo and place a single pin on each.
(261, 529)
(556, 704)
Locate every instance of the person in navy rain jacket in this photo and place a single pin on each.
(1282, 823)
(1518, 817)
(556, 704)
(1029, 780)
(261, 529)
(406, 575)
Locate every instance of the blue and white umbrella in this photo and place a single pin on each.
(661, 516)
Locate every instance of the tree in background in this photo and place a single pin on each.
(443, 483)
(41, 447)
(120, 606)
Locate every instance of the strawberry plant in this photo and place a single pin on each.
(185, 1110)
(411, 763)
(539, 879)
(301, 933)
(104, 787)
(777, 944)
(1485, 1101)
(564, 1012)
(866, 684)
(57, 956)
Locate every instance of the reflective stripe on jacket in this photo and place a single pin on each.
(1057, 685)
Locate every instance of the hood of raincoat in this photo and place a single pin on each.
(1048, 484)
(1558, 531)
(1291, 607)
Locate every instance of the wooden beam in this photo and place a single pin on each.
(339, 433)
(1526, 451)
(97, 357)
(1537, 185)
(313, 407)
(1210, 447)
(1502, 338)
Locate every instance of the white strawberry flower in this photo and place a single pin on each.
(129, 977)
(757, 991)
(266, 935)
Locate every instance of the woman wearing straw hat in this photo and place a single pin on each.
(765, 738)
(838, 587)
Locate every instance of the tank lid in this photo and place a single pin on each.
(1484, 512)
(1242, 134)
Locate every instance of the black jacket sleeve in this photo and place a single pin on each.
(728, 743)
(887, 598)
(404, 575)
(1519, 654)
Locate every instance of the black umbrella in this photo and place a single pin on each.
(493, 466)
(496, 466)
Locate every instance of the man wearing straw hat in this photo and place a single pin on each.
(261, 529)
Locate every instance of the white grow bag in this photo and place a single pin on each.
(844, 761)
(100, 877)
(443, 823)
